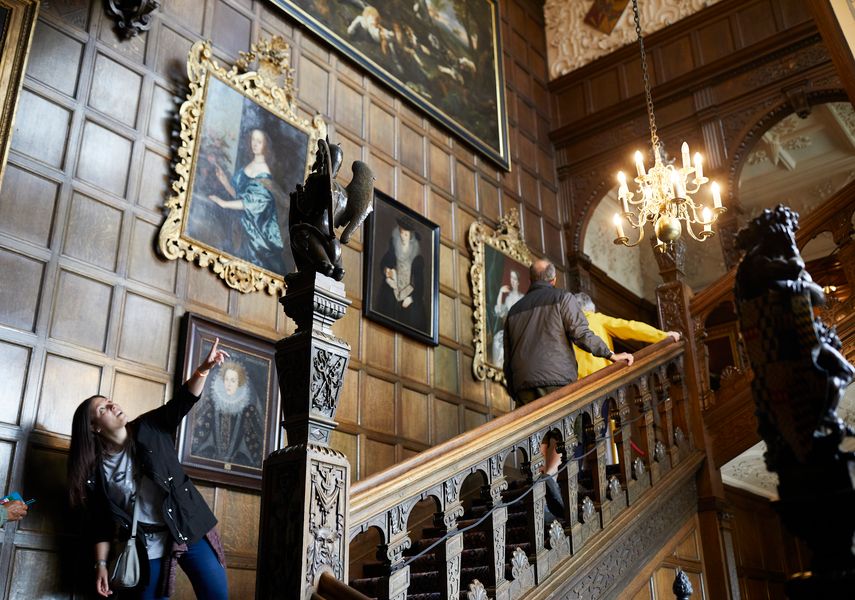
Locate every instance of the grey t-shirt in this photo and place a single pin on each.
(122, 489)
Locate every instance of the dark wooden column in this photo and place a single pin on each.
(304, 513)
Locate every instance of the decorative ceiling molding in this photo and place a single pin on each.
(571, 43)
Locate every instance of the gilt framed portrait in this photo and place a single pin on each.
(235, 424)
(244, 149)
(445, 57)
(401, 270)
(500, 278)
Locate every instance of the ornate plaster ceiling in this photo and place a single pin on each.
(571, 43)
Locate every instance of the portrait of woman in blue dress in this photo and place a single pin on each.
(254, 192)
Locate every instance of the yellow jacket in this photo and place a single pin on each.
(607, 327)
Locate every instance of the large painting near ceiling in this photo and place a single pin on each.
(443, 55)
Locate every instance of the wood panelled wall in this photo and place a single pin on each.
(766, 553)
(86, 305)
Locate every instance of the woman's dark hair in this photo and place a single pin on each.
(84, 452)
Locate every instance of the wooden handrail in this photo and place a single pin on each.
(382, 491)
(330, 588)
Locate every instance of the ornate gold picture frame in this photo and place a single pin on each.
(17, 22)
(499, 274)
(244, 148)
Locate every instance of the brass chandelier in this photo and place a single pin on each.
(665, 192)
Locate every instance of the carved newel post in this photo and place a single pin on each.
(304, 504)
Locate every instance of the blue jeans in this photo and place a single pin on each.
(201, 566)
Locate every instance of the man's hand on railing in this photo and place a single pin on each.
(623, 357)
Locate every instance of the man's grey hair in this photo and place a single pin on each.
(541, 272)
(585, 302)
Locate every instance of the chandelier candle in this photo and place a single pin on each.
(666, 192)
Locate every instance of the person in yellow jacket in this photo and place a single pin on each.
(606, 327)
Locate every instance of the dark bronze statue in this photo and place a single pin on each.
(799, 378)
(322, 205)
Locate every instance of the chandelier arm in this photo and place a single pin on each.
(703, 235)
(640, 237)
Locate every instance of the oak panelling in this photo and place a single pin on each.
(381, 129)
(45, 479)
(446, 420)
(162, 114)
(411, 192)
(473, 390)
(715, 40)
(441, 212)
(447, 267)
(377, 456)
(27, 205)
(379, 346)
(413, 359)
(54, 59)
(172, 49)
(605, 90)
(88, 215)
(133, 49)
(676, 59)
(756, 22)
(65, 383)
(473, 419)
(445, 365)
(347, 328)
(231, 28)
(81, 311)
(143, 265)
(104, 159)
(14, 368)
(258, 309)
(38, 574)
(115, 90)
(412, 149)
(72, 12)
(6, 451)
(378, 405)
(41, 129)
(384, 173)
(146, 331)
(313, 81)
(348, 444)
(440, 168)
(154, 182)
(348, 403)
(447, 318)
(352, 272)
(204, 290)
(415, 423)
(348, 108)
(137, 395)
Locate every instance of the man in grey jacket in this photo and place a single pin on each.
(540, 331)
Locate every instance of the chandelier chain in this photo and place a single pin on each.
(651, 118)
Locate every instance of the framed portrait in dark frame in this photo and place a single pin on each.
(235, 424)
(401, 270)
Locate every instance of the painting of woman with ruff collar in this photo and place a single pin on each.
(232, 428)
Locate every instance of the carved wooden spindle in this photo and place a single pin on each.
(304, 512)
(599, 472)
(535, 504)
(449, 553)
(644, 405)
(392, 556)
(623, 439)
(568, 483)
(494, 529)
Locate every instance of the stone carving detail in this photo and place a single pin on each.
(132, 18)
(658, 451)
(635, 544)
(571, 43)
(453, 577)
(476, 591)
(588, 509)
(326, 521)
(327, 380)
(397, 520)
(521, 569)
(638, 468)
(558, 540)
(613, 489)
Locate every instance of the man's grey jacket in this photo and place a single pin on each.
(539, 332)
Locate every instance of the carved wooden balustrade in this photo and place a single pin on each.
(648, 406)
